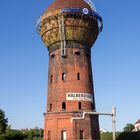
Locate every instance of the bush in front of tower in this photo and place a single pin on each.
(12, 135)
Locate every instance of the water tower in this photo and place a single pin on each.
(69, 29)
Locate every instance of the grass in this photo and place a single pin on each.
(108, 135)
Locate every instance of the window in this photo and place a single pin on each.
(78, 76)
(81, 134)
(51, 78)
(90, 77)
(53, 55)
(50, 107)
(77, 53)
(49, 135)
(63, 76)
(63, 106)
(87, 55)
(63, 135)
(92, 106)
(79, 105)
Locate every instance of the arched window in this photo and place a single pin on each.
(77, 53)
(51, 78)
(53, 55)
(50, 107)
(79, 105)
(78, 76)
(63, 76)
(63, 106)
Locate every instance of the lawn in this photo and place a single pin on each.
(108, 136)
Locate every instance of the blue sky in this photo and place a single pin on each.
(24, 62)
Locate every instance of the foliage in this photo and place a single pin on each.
(8, 128)
(37, 132)
(129, 136)
(33, 134)
(128, 128)
(34, 139)
(12, 135)
(3, 122)
(20, 135)
(6, 133)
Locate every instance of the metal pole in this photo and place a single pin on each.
(114, 122)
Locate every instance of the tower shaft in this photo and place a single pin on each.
(70, 91)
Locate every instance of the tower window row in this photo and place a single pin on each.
(64, 135)
(64, 75)
(76, 53)
(64, 106)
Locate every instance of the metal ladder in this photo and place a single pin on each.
(62, 35)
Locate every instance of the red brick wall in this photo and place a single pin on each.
(55, 123)
(57, 119)
(70, 65)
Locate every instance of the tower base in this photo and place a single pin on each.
(61, 126)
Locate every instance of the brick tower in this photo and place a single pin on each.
(69, 28)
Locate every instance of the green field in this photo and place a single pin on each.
(108, 136)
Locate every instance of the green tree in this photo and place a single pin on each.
(129, 127)
(8, 128)
(36, 132)
(12, 135)
(3, 122)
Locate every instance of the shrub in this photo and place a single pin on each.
(12, 135)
